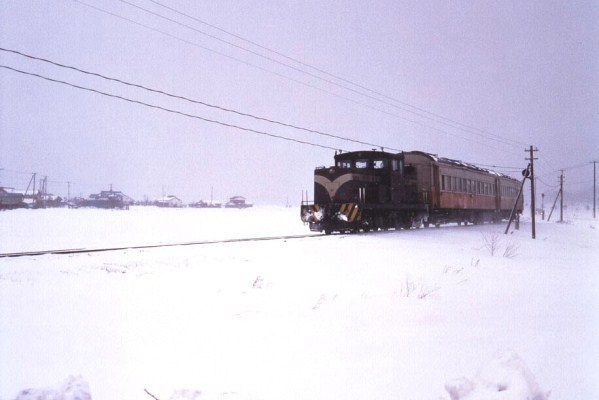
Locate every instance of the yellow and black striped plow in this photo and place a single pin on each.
(351, 211)
(310, 212)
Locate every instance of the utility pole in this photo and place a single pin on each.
(594, 186)
(561, 198)
(532, 188)
(554, 203)
(543, 206)
(44, 190)
(68, 192)
(525, 174)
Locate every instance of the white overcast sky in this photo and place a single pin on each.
(478, 81)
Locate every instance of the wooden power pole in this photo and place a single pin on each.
(561, 197)
(532, 188)
(594, 186)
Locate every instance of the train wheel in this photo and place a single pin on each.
(397, 224)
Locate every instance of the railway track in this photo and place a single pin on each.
(150, 246)
(162, 245)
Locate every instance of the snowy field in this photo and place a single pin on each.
(448, 313)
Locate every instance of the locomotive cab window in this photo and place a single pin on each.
(379, 164)
(344, 164)
(361, 164)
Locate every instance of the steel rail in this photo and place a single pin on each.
(194, 243)
(150, 246)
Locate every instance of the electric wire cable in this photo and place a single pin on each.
(467, 127)
(577, 166)
(139, 86)
(586, 182)
(294, 80)
(545, 183)
(569, 168)
(303, 71)
(267, 70)
(498, 167)
(272, 135)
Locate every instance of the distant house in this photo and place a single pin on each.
(237, 202)
(169, 201)
(9, 200)
(204, 204)
(107, 199)
(52, 201)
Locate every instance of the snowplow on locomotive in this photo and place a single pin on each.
(371, 190)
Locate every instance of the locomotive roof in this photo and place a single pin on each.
(458, 163)
(365, 154)
(373, 154)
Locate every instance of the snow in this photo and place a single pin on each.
(424, 314)
(74, 388)
(505, 377)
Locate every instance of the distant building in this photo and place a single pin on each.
(204, 204)
(169, 201)
(10, 200)
(52, 201)
(237, 202)
(107, 199)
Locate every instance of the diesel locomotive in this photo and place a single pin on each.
(374, 190)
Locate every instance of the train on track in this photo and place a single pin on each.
(378, 190)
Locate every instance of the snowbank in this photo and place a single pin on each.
(505, 377)
(74, 388)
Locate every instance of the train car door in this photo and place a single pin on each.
(397, 172)
(497, 195)
(436, 187)
(410, 185)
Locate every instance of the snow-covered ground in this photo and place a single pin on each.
(449, 313)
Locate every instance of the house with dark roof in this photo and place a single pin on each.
(237, 202)
(10, 200)
(169, 201)
(108, 199)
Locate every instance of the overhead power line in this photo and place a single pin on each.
(272, 135)
(496, 138)
(191, 100)
(264, 69)
(498, 167)
(577, 166)
(569, 168)
(459, 125)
